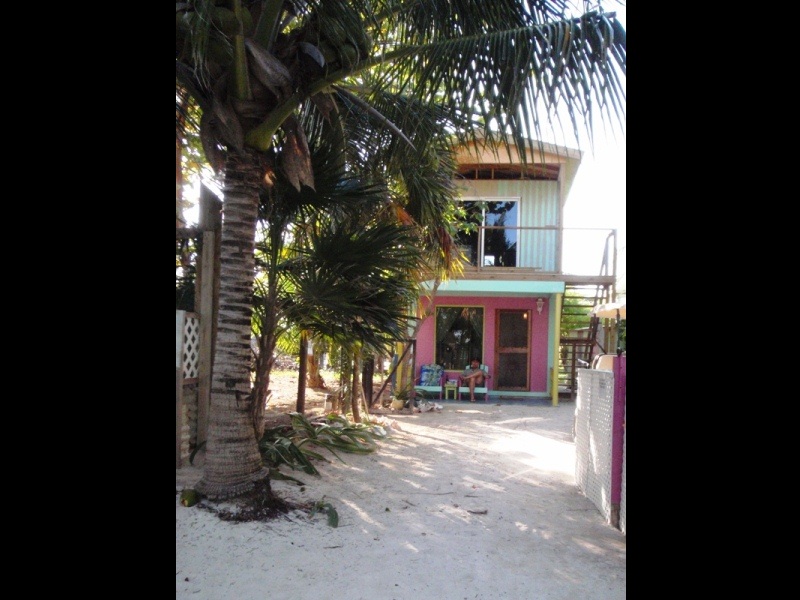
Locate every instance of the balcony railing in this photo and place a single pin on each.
(576, 251)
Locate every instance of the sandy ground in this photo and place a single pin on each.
(474, 501)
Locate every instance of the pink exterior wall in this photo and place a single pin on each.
(540, 333)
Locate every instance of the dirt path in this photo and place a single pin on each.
(472, 502)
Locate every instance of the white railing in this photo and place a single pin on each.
(577, 251)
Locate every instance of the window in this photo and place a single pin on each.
(459, 335)
(498, 241)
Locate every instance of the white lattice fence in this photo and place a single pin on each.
(187, 368)
(191, 346)
(593, 423)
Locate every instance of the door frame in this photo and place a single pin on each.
(499, 350)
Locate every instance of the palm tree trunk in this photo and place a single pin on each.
(355, 396)
(268, 316)
(313, 377)
(233, 461)
(265, 361)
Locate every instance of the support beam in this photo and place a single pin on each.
(207, 302)
(180, 320)
(555, 316)
(205, 280)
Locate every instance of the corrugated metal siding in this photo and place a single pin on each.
(539, 207)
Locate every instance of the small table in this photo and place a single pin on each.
(451, 386)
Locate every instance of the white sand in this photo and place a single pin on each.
(477, 501)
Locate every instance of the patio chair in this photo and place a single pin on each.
(604, 362)
(431, 380)
(479, 389)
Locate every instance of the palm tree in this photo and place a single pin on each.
(334, 262)
(355, 286)
(497, 71)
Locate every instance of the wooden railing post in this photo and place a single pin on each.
(617, 436)
(207, 281)
(180, 320)
(206, 311)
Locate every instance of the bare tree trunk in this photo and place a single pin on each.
(355, 391)
(179, 219)
(263, 368)
(314, 378)
(367, 374)
(268, 314)
(301, 378)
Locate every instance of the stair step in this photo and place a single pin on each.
(578, 348)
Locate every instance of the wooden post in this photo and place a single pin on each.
(617, 436)
(207, 286)
(180, 320)
(206, 311)
(555, 316)
(413, 374)
(392, 376)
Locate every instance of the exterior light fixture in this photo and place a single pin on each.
(539, 305)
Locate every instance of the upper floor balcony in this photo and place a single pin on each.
(586, 255)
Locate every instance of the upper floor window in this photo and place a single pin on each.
(492, 231)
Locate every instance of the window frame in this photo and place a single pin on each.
(476, 250)
(450, 353)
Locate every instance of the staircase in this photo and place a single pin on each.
(580, 341)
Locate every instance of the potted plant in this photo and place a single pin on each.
(402, 397)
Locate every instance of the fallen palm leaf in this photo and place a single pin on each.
(326, 507)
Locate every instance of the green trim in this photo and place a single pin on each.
(503, 394)
(496, 288)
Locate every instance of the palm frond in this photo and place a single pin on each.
(507, 71)
(355, 282)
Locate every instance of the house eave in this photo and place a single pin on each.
(495, 288)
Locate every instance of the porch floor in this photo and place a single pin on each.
(500, 401)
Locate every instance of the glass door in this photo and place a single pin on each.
(489, 235)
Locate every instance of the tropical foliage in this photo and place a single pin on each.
(293, 445)
(333, 262)
(389, 86)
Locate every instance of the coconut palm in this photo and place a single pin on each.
(499, 71)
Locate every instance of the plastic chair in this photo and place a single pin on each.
(604, 362)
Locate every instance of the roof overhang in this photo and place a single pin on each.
(495, 288)
(544, 160)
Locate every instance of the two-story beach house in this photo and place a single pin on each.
(506, 309)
